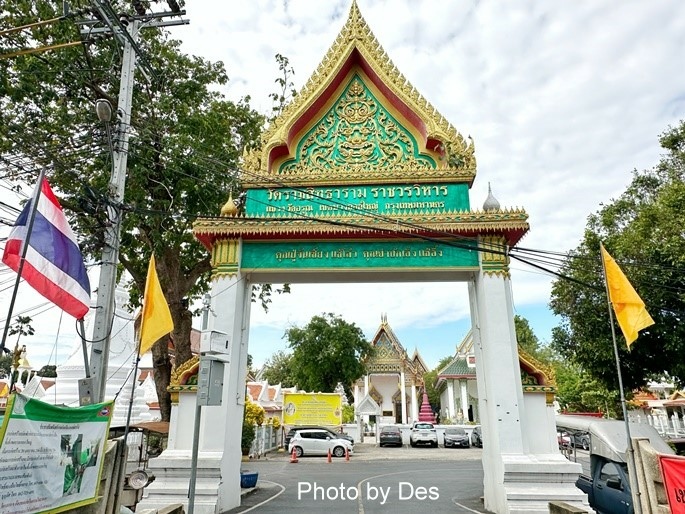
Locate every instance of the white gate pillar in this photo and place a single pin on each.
(231, 300)
(515, 480)
(414, 404)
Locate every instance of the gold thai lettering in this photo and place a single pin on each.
(414, 191)
(415, 205)
(373, 254)
(289, 255)
(344, 253)
(399, 252)
(314, 253)
(298, 208)
(432, 251)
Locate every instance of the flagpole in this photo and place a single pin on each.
(24, 249)
(631, 460)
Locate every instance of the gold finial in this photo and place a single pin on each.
(229, 208)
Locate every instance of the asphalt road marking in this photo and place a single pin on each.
(359, 485)
(270, 498)
(466, 508)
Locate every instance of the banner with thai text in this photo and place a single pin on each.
(51, 457)
(673, 471)
(312, 409)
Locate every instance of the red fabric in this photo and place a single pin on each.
(673, 471)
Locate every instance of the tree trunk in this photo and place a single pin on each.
(162, 374)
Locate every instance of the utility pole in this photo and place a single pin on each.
(125, 29)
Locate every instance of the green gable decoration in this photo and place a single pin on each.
(357, 132)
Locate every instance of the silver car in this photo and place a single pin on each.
(423, 433)
(319, 442)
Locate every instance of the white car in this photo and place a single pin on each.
(423, 433)
(318, 442)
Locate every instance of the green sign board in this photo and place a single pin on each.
(388, 255)
(357, 200)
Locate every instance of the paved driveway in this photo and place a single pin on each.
(375, 480)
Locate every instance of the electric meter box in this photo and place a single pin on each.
(213, 341)
(210, 381)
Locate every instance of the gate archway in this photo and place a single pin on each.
(360, 179)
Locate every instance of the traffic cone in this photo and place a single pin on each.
(347, 454)
(293, 456)
(329, 456)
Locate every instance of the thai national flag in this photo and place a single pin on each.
(54, 264)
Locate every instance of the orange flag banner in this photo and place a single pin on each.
(156, 318)
(631, 314)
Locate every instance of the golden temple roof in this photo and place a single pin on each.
(356, 48)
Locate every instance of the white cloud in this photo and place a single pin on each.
(563, 100)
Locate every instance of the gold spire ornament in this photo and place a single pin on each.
(229, 208)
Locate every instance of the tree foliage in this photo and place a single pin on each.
(579, 392)
(430, 383)
(186, 140)
(326, 351)
(279, 369)
(49, 371)
(642, 230)
(525, 337)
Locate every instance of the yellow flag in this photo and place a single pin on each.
(631, 314)
(5, 391)
(156, 318)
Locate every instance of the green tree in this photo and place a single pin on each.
(49, 370)
(579, 392)
(525, 337)
(326, 351)
(430, 383)
(348, 414)
(642, 230)
(22, 327)
(186, 140)
(5, 364)
(279, 369)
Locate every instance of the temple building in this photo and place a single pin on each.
(459, 383)
(394, 380)
(457, 380)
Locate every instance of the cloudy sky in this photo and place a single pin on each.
(562, 99)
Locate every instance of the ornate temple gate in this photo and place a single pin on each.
(361, 180)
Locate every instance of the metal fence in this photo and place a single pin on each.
(266, 440)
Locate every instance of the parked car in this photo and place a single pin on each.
(563, 440)
(456, 438)
(423, 433)
(318, 441)
(581, 440)
(390, 435)
(477, 437)
(294, 430)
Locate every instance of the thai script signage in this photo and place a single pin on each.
(51, 457)
(389, 255)
(357, 200)
(312, 409)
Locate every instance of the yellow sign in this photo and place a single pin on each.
(312, 409)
